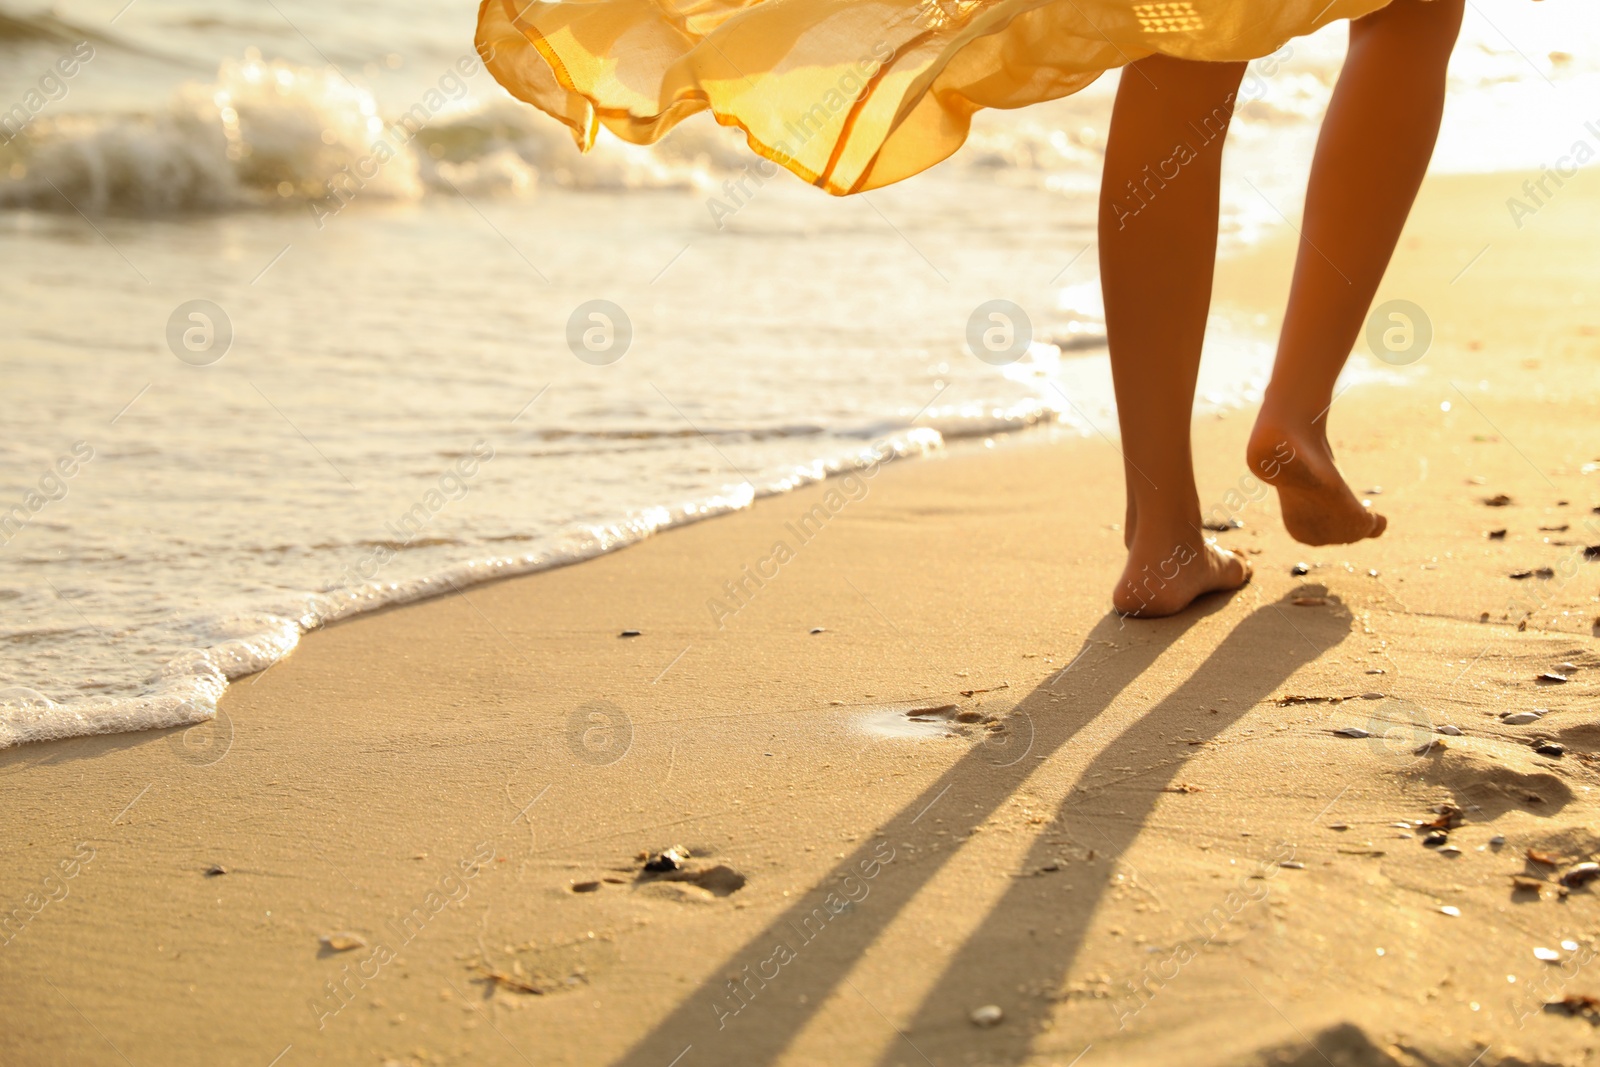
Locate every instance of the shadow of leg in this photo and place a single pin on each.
(733, 1017)
(1254, 659)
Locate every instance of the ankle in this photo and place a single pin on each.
(1155, 540)
(1277, 440)
(1293, 415)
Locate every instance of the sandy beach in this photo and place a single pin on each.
(917, 769)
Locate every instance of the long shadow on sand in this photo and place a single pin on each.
(1254, 660)
(754, 1020)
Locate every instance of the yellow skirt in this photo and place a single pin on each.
(850, 94)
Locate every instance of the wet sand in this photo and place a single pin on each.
(1143, 842)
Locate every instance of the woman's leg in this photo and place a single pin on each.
(1158, 243)
(1371, 154)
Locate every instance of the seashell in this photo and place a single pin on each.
(1580, 874)
(342, 942)
(670, 859)
(1351, 731)
(987, 1016)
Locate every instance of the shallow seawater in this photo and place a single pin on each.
(401, 389)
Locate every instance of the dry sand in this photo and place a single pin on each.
(1139, 862)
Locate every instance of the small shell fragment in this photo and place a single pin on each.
(1520, 718)
(1449, 731)
(1291, 865)
(343, 941)
(1451, 910)
(1549, 955)
(1450, 850)
(1580, 874)
(1552, 678)
(987, 1016)
(670, 859)
(1351, 731)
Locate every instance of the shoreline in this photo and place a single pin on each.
(234, 658)
(1078, 797)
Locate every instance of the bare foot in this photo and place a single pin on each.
(1318, 506)
(1164, 580)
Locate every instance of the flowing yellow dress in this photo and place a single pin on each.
(850, 94)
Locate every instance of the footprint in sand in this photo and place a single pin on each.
(1495, 777)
